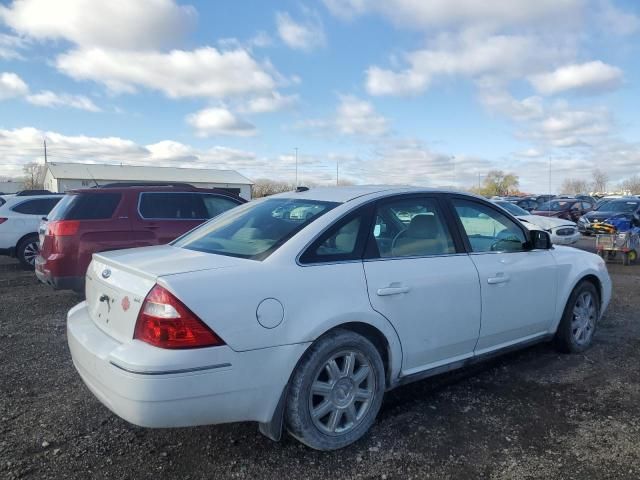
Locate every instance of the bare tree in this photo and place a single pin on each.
(263, 187)
(632, 185)
(573, 186)
(599, 182)
(34, 176)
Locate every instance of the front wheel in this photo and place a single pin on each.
(578, 324)
(336, 391)
(27, 251)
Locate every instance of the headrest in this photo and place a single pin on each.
(423, 226)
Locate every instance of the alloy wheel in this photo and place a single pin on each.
(30, 253)
(342, 392)
(584, 318)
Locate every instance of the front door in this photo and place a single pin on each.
(518, 285)
(422, 283)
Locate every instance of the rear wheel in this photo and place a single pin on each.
(27, 251)
(578, 324)
(336, 391)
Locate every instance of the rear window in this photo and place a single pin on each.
(86, 206)
(40, 206)
(254, 230)
(182, 205)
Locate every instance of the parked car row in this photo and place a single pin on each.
(57, 234)
(300, 310)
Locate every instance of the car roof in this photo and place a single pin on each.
(345, 194)
(14, 200)
(151, 188)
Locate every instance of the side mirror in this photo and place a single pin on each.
(540, 240)
(635, 220)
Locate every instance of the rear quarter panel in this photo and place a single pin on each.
(315, 299)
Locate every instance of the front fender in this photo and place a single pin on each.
(573, 267)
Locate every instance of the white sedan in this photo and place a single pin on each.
(563, 232)
(305, 321)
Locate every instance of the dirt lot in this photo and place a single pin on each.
(533, 414)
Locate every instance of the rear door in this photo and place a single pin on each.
(518, 285)
(419, 278)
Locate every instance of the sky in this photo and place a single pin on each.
(368, 91)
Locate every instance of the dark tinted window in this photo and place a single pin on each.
(173, 206)
(40, 206)
(86, 206)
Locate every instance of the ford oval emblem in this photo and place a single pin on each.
(106, 273)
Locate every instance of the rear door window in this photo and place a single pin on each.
(86, 206)
(217, 204)
(39, 206)
(172, 206)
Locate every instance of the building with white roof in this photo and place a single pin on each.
(61, 177)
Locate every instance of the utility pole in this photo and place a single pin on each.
(479, 187)
(296, 149)
(337, 172)
(45, 150)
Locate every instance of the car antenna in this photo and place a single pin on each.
(94, 180)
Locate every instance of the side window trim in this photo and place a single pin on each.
(371, 250)
(463, 232)
(366, 226)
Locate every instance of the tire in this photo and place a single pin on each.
(327, 407)
(27, 251)
(579, 320)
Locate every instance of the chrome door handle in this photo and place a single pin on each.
(392, 290)
(499, 278)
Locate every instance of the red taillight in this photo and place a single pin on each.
(2, 220)
(166, 322)
(63, 228)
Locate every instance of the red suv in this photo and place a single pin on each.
(119, 216)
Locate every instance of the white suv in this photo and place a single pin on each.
(19, 220)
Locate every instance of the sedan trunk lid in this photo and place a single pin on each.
(117, 282)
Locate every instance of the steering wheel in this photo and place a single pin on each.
(395, 239)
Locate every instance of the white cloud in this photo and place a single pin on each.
(23, 145)
(272, 102)
(471, 54)
(136, 24)
(219, 121)
(11, 85)
(500, 101)
(10, 47)
(47, 98)
(301, 35)
(359, 117)
(586, 77)
(204, 72)
(426, 14)
(615, 20)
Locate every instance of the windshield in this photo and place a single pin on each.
(618, 206)
(556, 205)
(256, 229)
(512, 209)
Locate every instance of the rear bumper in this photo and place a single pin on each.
(154, 387)
(45, 275)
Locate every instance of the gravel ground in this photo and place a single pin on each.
(532, 414)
